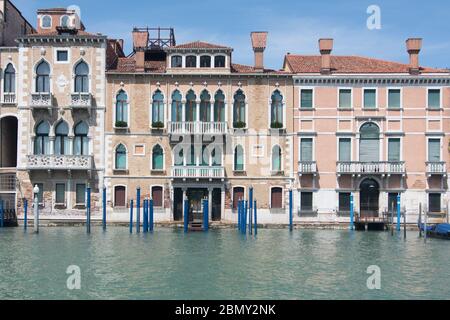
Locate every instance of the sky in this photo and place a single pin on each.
(294, 25)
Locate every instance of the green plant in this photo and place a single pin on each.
(239, 125)
(121, 124)
(276, 125)
(158, 125)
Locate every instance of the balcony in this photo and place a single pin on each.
(80, 101)
(382, 168)
(436, 168)
(183, 128)
(198, 172)
(307, 167)
(9, 98)
(41, 101)
(62, 162)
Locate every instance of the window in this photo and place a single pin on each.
(41, 141)
(80, 194)
(434, 150)
(177, 107)
(191, 62)
(43, 77)
(40, 195)
(82, 77)
(157, 196)
(306, 98)
(121, 157)
(205, 106)
(434, 202)
(434, 98)
(191, 107)
(62, 139)
(65, 20)
(345, 149)
(276, 198)
(205, 62)
(177, 61)
(158, 110)
(344, 202)
(394, 150)
(219, 61)
(238, 194)
(276, 158)
(9, 85)
(239, 158)
(46, 22)
(239, 110)
(394, 98)
(345, 98)
(370, 98)
(62, 55)
(219, 107)
(306, 149)
(121, 109)
(306, 202)
(60, 190)
(392, 202)
(120, 196)
(81, 141)
(157, 158)
(277, 110)
(369, 147)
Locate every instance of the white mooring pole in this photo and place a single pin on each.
(36, 208)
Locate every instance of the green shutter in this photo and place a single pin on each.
(394, 150)
(370, 99)
(434, 98)
(306, 149)
(306, 99)
(394, 98)
(345, 149)
(345, 98)
(434, 150)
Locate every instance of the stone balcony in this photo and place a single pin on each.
(187, 128)
(361, 168)
(200, 172)
(436, 168)
(41, 101)
(307, 167)
(80, 101)
(9, 98)
(59, 162)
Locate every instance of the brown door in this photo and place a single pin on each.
(238, 194)
(277, 198)
(157, 196)
(119, 196)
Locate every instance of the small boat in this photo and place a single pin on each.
(438, 231)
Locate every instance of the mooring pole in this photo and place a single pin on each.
(145, 216)
(420, 220)
(244, 230)
(448, 211)
(392, 219)
(256, 218)
(138, 210)
(25, 214)
(205, 215)
(36, 208)
(104, 208)
(426, 223)
(151, 223)
(2, 214)
(239, 214)
(186, 216)
(131, 216)
(404, 224)
(88, 210)
(352, 212)
(250, 210)
(399, 221)
(291, 211)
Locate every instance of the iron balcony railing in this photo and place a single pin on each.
(9, 98)
(198, 172)
(307, 167)
(41, 100)
(381, 167)
(59, 162)
(198, 127)
(80, 100)
(436, 168)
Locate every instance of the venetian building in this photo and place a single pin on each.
(186, 122)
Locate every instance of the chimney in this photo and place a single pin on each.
(414, 45)
(259, 42)
(325, 47)
(140, 43)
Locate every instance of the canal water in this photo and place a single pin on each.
(221, 264)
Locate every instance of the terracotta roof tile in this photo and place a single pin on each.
(240, 68)
(199, 45)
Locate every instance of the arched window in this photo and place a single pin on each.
(43, 77)
(369, 148)
(158, 110)
(239, 158)
(41, 141)
(177, 107)
(205, 62)
(276, 110)
(46, 22)
(62, 139)
(121, 109)
(9, 85)
(121, 157)
(205, 106)
(157, 158)
(82, 77)
(219, 62)
(65, 20)
(177, 61)
(191, 107)
(276, 158)
(81, 142)
(191, 62)
(219, 107)
(239, 110)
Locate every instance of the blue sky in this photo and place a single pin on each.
(293, 25)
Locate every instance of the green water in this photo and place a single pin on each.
(222, 264)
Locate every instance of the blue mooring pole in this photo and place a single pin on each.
(88, 209)
(244, 229)
(138, 210)
(2, 215)
(205, 215)
(145, 216)
(104, 209)
(250, 210)
(150, 208)
(186, 216)
(291, 211)
(25, 214)
(256, 218)
(239, 214)
(352, 213)
(398, 213)
(131, 216)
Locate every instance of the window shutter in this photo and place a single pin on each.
(434, 150)
(370, 98)
(394, 150)
(434, 98)
(306, 150)
(345, 98)
(306, 98)
(394, 98)
(345, 149)
(369, 150)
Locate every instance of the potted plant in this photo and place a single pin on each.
(158, 125)
(121, 124)
(239, 125)
(276, 125)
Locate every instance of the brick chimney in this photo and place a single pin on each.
(414, 45)
(140, 43)
(325, 47)
(259, 42)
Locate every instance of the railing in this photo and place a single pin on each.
(198, 172)
(62, 162)
(197, 127)
(41, 100)
(436, 168)
(371, 167)
(307, 167)
(9, 98)
(81, 100)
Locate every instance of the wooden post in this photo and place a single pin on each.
(392, 219)
(426, 224)
(420, 220)
(404, 223)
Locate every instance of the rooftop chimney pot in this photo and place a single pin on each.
(325, 47)
(414, 45)
(259, 43)
(140, 43)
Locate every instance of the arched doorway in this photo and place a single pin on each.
(8, 142)
(369, 196)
